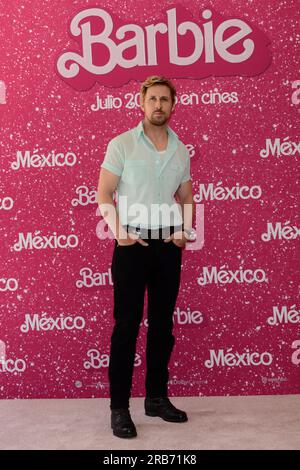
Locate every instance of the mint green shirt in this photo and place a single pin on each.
(148, 178)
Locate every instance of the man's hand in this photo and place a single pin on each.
(131, 239)
(178, 238)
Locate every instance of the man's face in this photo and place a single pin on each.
(157, 105)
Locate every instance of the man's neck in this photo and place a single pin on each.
(155, 133)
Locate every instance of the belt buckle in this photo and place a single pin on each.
(137, 231)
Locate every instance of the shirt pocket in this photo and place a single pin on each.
(136, 172)
(174, 173)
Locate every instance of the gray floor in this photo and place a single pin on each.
(253, 422)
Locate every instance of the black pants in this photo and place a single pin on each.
(135, 267)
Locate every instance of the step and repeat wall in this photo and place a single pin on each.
(70, 75)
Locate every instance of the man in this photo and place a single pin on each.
(148, 166)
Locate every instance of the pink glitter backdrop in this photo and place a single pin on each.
(237, 315)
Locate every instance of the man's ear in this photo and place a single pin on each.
(142, 104)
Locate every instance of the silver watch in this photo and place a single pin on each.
(190, 234)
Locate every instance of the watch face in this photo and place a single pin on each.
(191, 234)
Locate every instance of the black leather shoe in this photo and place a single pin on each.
(122, 424)
(163, 408)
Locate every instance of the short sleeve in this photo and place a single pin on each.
(187, 170)
(113, 159)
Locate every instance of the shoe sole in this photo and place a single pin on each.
(123, 436)
(153, 414)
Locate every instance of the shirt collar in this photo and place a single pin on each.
(173, 142)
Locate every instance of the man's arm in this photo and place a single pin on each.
(184, 194)
(108, 183)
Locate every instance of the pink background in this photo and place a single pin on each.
(41, 113)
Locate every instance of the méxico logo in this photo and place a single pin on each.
(112, 51)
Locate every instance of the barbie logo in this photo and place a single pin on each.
(178, 45)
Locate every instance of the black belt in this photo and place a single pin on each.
(151, 233)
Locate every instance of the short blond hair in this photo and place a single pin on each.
(157, 80)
